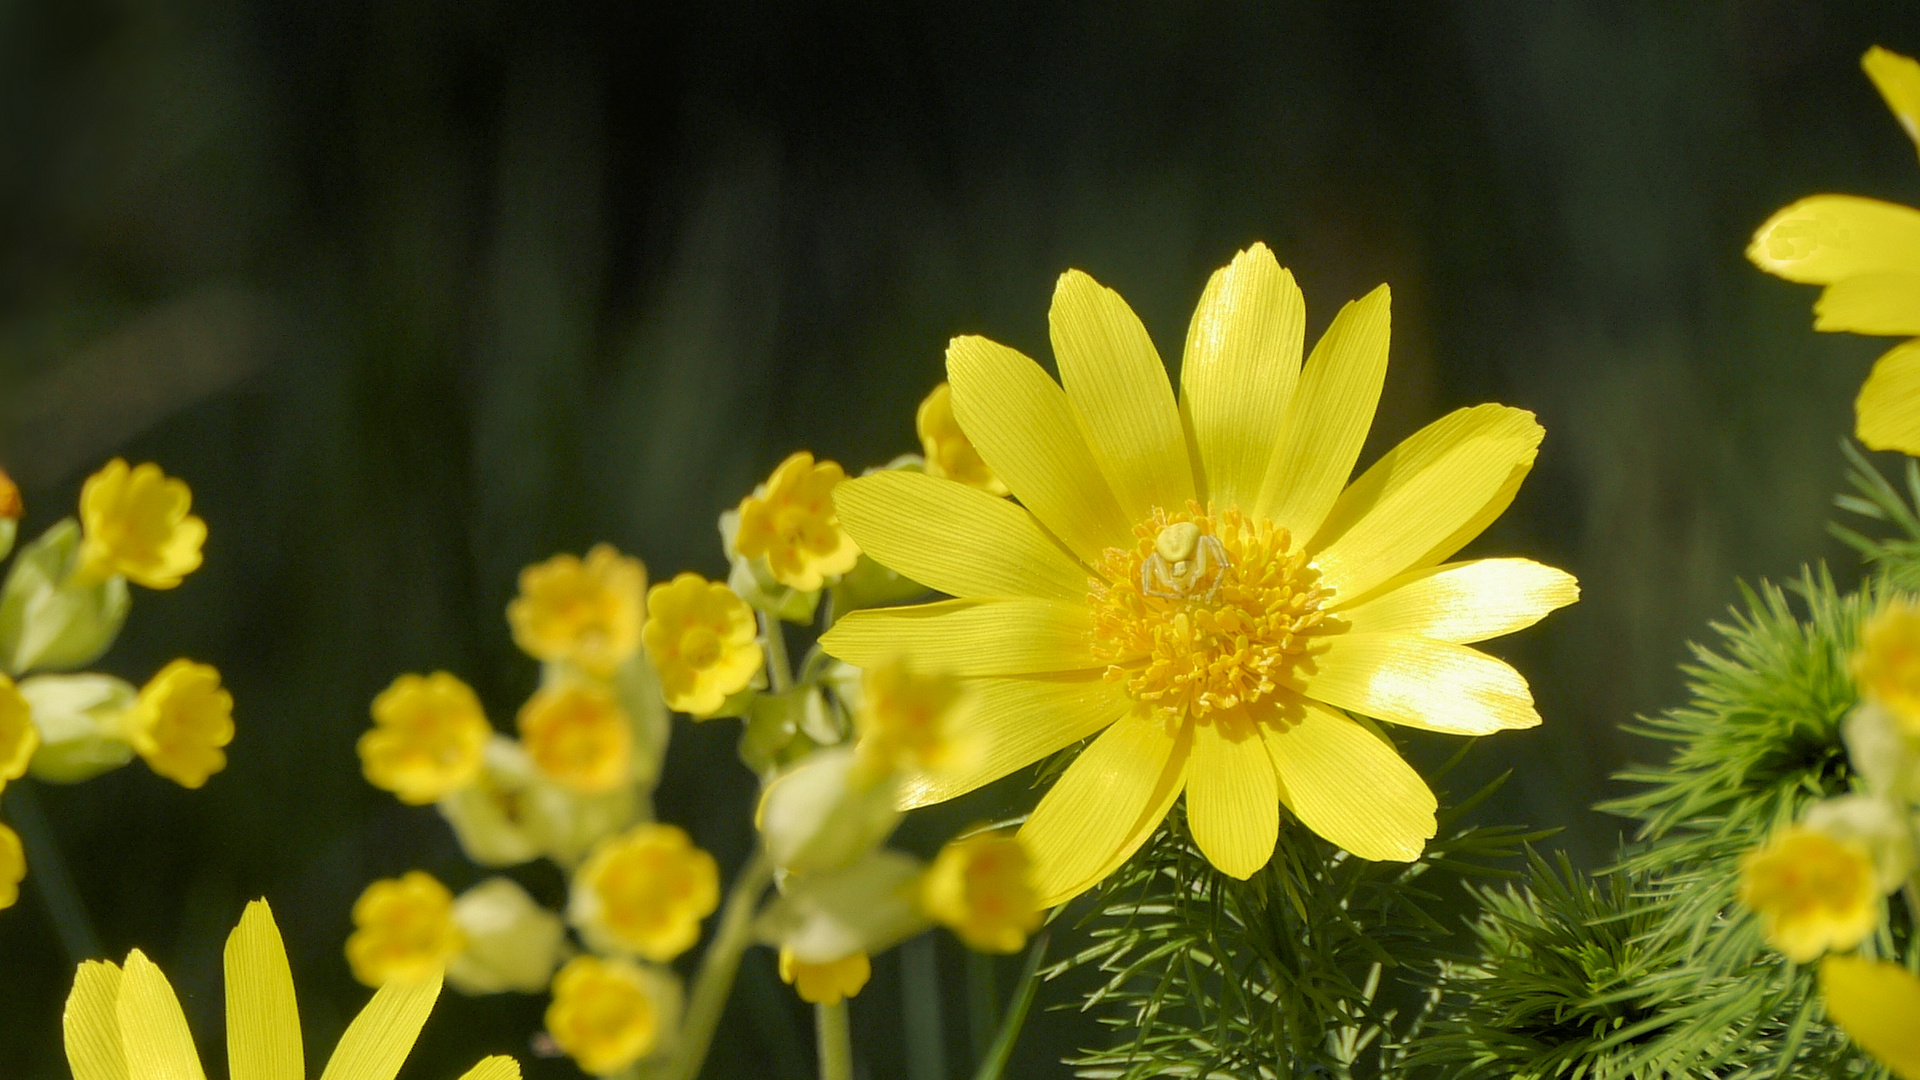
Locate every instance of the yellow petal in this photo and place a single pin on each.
(1328, 420)
(969, 637)
(1464, 602)
(1828, 238)
(1025, 720)
(1104, 806)
(1422, 683)
(92, 1023)
(1386, 526)
(1233, 799)
(378, 1041)
(263, 1023)
(1119, 390)
(493, 1068)
(1887, 412)
(1346, 784)
(153, 1030)
(1019, 420)
(957, 539)
(1898, 80)
(1239, 372)
(1870, 304)
(1878, 1005)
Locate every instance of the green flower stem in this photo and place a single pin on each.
(836, 1041)
(995, 1062)
(983, 1002)
(714, 984)
(47, 869)
(773, 638)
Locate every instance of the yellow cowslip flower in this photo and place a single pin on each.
(583, 612)
(126, 1020)
(702, 638)
(18, 737)
(825, 984)
(1886, 666)
(403, 930)
(645, 891)
(1244, 596)
(912, 721)
(135, 524)
(13, 866)
(429, 738)
(947, 450)
(580, 736)
(1867, 254)
(11, 508)
(790, 521)
(1878, 1005)
(1812, 892)
(180, 721)
(604, 1014)
(981, 888)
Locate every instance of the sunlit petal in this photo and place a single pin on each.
(957, 539)
(1233, 798)
(1346, 784)
(1238, 376)
(1887, 412)
(1464, 602)
(969, 637)
(1422, 683)
(1025, 719)
(378, 1041)
(92, 1023)
(263, 1023)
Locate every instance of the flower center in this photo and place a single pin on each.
(1206, 612)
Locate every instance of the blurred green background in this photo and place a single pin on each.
(416, 292)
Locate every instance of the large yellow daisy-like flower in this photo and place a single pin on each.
(126, 1024)
(1195, 582)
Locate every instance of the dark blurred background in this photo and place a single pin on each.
(417, 292)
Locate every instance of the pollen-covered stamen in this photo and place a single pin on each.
(1205, 612)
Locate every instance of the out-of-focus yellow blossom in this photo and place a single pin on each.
(702, 640)
(949, 454)
(13, 866)
(511, 942)
(981, 888)
(790, 522)
(1811, 891)
(578, 735)
(429, 738)
(403, 930)
(645, 891)
(136, 525)
(826, 812)
(127, 1021)
(1886, 667)
(11, 508)
(513, 812)
(907, 720)
(1878, 1005)
(180, 721)
(582, 612)
(825, 984)
(605, 1013)
(18, 737)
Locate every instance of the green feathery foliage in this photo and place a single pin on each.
(1896, 559)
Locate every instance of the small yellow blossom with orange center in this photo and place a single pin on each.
(18, 737)
(947, 450)
(403, 930)
(429, 738)
(13, 867)
(603, 1014)
(646, 891)
(1886, 667)
(909, 720)
(790, 521)
(135, 523)
(825, 984)
(580, 736)
(11, 508)
(1811, 891)
(981, 888)
(584, 612)
(180, 721)
(702, 638)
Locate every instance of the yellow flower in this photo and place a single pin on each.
(1886, 667)
(579, 736)
(18, 737)
(137, 525)
(127, 1021)
(702, 639)
(789, 520)
(1878, 1005)
(1867, 254)
(403, 930)
(585, 613)
(180, 721)
(825, 984)
(429, 738)
(13, 867)
(1811, 891)
(912, 721)
(981, 888)
(1196, 583)
(645, 891)
(948, 452)
(604, 1014)
(11, 508)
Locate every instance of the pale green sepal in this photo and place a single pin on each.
(513, 814)
(47, 619)
(785, 728)
(870, 584)
(512, 943)
(866, 907)
(822, 815)
(80, 718)
(9, 528)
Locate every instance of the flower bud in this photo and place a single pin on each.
(823, 815)
(82, 722)
(512, 814)
(49, 617)
(512, 943)
(866, 907)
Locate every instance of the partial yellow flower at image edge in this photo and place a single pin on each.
(1246, 598)
(18, 737)
(135, 523)
(1878, 1005)
(181, 721)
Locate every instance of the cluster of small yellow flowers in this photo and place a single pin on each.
(950, 455)
(645, 892)
(981, 888)
(606, 1014)
(581, 612)
(403, 931)
(790, 522)
(428, 738)
(579, 735)
(825, 984)
(701, 637)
